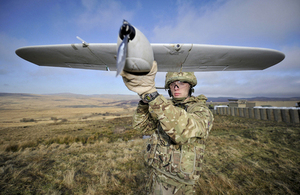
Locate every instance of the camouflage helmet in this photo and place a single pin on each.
(188, 77)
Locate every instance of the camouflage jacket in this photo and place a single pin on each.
(176, 147)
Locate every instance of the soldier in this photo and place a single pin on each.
(181, 125)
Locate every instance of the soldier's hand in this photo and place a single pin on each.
(141, 84)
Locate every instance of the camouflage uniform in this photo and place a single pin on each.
(175, 150)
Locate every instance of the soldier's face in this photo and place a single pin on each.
(179, 89)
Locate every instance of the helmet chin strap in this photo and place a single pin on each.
(180, 99)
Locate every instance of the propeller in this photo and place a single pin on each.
(126, 33)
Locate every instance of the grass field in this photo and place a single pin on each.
(103, 155)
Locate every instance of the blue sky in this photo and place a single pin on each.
(271, 24)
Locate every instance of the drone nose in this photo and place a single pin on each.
(127, 30)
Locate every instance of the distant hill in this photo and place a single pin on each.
(272, 99)
(18, 94)
(218, 99)
(123, 97)
(103, 96)
(225, 99)
(116, 96)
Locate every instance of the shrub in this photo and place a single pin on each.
(25, 120)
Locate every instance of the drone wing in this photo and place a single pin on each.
(169, 57)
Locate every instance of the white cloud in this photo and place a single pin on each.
(234, 22)
(231, 22)
(102, 14)
(268, 23)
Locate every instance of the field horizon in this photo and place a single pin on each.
(86, 145)
(134, 97)
(30, 109)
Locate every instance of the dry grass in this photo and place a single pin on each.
(246, 156)
(92, 160)
(243, 156)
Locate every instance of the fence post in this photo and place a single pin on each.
(263, 114)
(294, 116)
(232, 111)
(245, 112)
(228, 111)
(285, 115)
(251, 112)
(270, 114)
(236, 111)
(277, 115)
(256, 113)
(241, 112)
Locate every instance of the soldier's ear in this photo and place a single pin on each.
(191, 91)
(170, 93)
